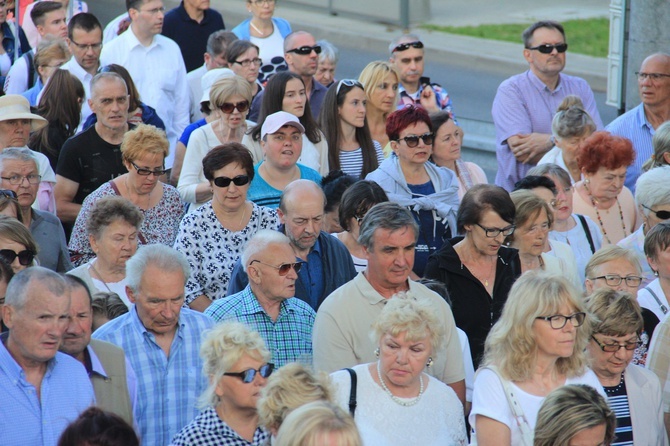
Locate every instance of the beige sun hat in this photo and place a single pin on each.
(15, 106)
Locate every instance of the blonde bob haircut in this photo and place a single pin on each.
(528, 208)
(569, 410)
(617, 313)
(512, 346)
(318, 423)
(224, 89)
(144, 140)
(288, 388)
(221, 348)
(413, 316)
(373, 76)
(608, 254)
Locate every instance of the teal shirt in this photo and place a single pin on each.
(261, 193)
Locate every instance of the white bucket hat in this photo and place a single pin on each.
(14, 106)
(210, 77)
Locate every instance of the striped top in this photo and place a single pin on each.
(617, 399)
(351, 162)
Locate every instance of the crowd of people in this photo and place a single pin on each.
(207, 238)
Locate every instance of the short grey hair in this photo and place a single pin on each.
(572, 122)
(388, 215)
(18, 154)
(554, 170)
(661, 144)
(162, 257)
(409, 37)
(108, 75)
(19, 287)
(261, 240)
(653, 188)
(329, 51)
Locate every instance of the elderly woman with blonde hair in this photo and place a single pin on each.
(236, 361)
(536, 346)
(574, 415)
(319, 423)
(292, 386)
(396, 387)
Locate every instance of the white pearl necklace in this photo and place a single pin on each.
(402, 401)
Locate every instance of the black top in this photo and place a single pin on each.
(475, 311)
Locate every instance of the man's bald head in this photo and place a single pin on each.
(300, 190)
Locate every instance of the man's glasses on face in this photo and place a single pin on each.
(306, 50)
(548, 49)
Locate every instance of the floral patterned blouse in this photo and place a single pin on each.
(160, 224)
(212, 250)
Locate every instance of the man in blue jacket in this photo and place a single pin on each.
(327, 262)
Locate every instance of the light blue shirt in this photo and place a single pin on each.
(167, 386)
(29, 420)
(634, 125)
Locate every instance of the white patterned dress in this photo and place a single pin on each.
(212, 250)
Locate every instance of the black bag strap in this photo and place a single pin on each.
(352, 393)
(587, 231)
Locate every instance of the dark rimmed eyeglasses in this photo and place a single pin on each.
(548, 48)
(661, 215)
(228, 107)
(146, 172)
(239, 180)
(247, 376)
(611, 348)
(405, 46)
(495, 232)
(558, 321)
(615, 280)
(413, 140)
(8, 193)
(26, 256)
(348, 83)
(18, 179)
(282, 269)
(246, 62)
(86, 47)
(306, 50)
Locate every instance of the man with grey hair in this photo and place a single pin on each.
(93, 157)
(268, 304)
(407, 56)
(341, 330)
(161, 340)
(327, 262)
(19, 173)
(42, 389)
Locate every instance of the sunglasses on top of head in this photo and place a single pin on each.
(547, 48)
(405, 46)
(306, 50)
(239, 180)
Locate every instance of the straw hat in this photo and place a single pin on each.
(15, 106)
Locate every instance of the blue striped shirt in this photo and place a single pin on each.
(167, 387)
(617, 399)
(29, 420)
(634, 125)
(289, 338)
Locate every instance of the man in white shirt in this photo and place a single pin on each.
(155, 64)
(84, 39)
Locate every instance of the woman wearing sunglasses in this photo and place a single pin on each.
(536, 346)
(213, 236)
(633, 393)
(17, 245)
(236, 361)
(350, 145)
(143, 151)
(430, 192)
(398, 387)
(229, 100)
(285, 91)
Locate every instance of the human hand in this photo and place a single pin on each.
(530, 147)
(427, 99)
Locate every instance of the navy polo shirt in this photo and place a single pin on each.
(190, 35)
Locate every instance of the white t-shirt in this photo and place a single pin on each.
(271, 52)
(576, 239)
(489, 400)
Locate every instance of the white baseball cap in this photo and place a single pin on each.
(277, 120)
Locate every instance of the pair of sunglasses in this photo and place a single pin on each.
(26, 256)
(7, 193)
(547, 48)
(306, 50)
(247, 376)
(413, 140)
(348, 83)
(228, 107)
(405, 46)
(239, 180)
(284, 268)
(661, 215)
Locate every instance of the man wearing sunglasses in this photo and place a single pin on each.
(640, 123)
(408, 57)
(525, 104)
(161, 340)
(268, 304)
(302, 57)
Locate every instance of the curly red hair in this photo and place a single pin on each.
(602, 149)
